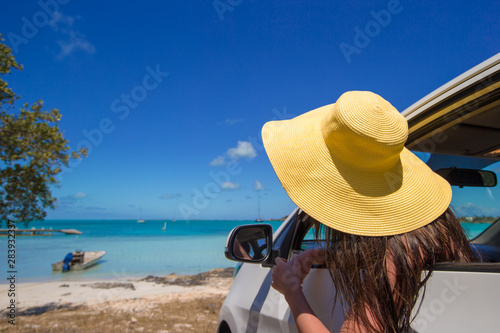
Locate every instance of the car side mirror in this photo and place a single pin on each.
(468, 177)
(250, 243)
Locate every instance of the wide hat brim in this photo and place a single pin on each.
(404, 197)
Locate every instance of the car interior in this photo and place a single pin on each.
(464, 119)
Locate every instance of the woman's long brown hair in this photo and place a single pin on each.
(359, 269)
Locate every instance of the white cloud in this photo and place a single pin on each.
(218, 161)
(73, 40)
(471, 209)
(258, 186)
(58, 18)
(231, 122)
(76, 41)
(244, 149)
(80, 195)
(71, 199)
(229, 186)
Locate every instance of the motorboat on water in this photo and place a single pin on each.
(78, 260)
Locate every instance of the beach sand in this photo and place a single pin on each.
(172, 303)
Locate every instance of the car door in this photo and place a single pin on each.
(274, 315)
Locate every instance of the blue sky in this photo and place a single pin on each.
(170, 96)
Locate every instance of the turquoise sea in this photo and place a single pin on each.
(132, 249)
(473, 230)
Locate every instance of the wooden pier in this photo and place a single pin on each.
(38, 232)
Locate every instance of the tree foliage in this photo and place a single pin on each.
(32, 152)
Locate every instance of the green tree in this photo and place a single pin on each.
(32, 152)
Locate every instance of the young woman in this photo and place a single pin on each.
(382, 212)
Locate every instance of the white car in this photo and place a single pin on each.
(456, 130)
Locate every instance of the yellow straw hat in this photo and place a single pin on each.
(345, 165)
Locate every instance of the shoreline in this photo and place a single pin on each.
(40, 297)
(83, 276)
(171, 303)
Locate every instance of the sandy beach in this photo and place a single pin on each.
(172, 303)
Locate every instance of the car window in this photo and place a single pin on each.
(309, 239)
(477, 207)
(306, 238)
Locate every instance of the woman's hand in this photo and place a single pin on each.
(287, 279)
(288, 275)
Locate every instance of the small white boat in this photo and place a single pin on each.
(258, 219)
(78, 260)
(164, 227)
(140, 220)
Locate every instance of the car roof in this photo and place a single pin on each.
(461, 117)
